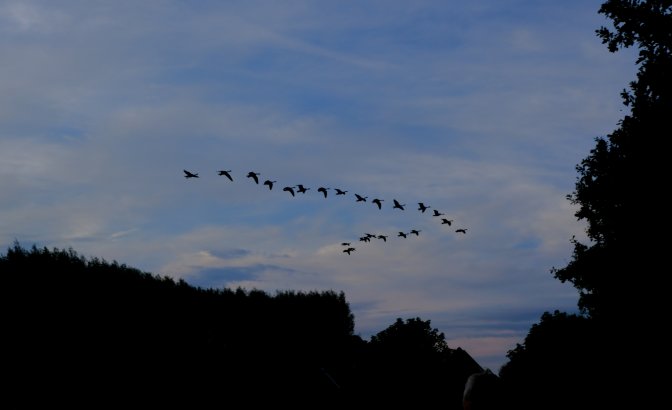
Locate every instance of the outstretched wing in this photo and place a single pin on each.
(288, 189)
(226, 174)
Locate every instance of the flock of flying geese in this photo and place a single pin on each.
(348, 248)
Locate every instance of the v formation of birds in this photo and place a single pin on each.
(366, 237)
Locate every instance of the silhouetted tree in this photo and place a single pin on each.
(413, 336)
(619, 183)
(86, 333)
(558, 366)
(566, 358)
(410, 362)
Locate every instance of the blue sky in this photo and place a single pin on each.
(481, 110)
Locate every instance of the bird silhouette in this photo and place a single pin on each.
(361, 198)
(289, 189)
(370, 235)
(188, 174)
(348, 250)
(437, 213)
(461, 230)
(416, 232)
(365, 239)
(383, 237)
(323, 190)
(226, 174)
(302, 189)
(269, 183)
(422, 207)
(398, 205)
(340, 191)
(402, 234)
(254, 176)
(345, 243)
(446, 221)
(378, 202)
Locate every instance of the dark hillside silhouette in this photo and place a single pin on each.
(86, 333)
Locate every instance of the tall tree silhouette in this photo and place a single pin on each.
(565, 358)
(617, 189)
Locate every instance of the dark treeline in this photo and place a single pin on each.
(81, 332)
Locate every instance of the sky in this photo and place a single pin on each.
(480, 110)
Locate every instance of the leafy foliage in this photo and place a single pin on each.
(567, 359)
(412, 336)
(77, 328)
(618, 183)
(72, 324)
(558, 366)
(413, 360)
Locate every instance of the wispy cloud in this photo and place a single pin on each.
(479, 110)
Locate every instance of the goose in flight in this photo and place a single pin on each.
(289, 189)
(226, 174)
(365, 239)
(378, 202)
(416, 232)
(253, 175)
(269, 183)
(402, 234)
(370, 235)
(461, 230)
(361, 198)
(188, 174)
(348, 250)
(345, 243)
(340, 191)
(398, 205)
(383, 237)
(323, 190)
(422, 207)
(302, 189)
(437, 213)
(446, 221)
